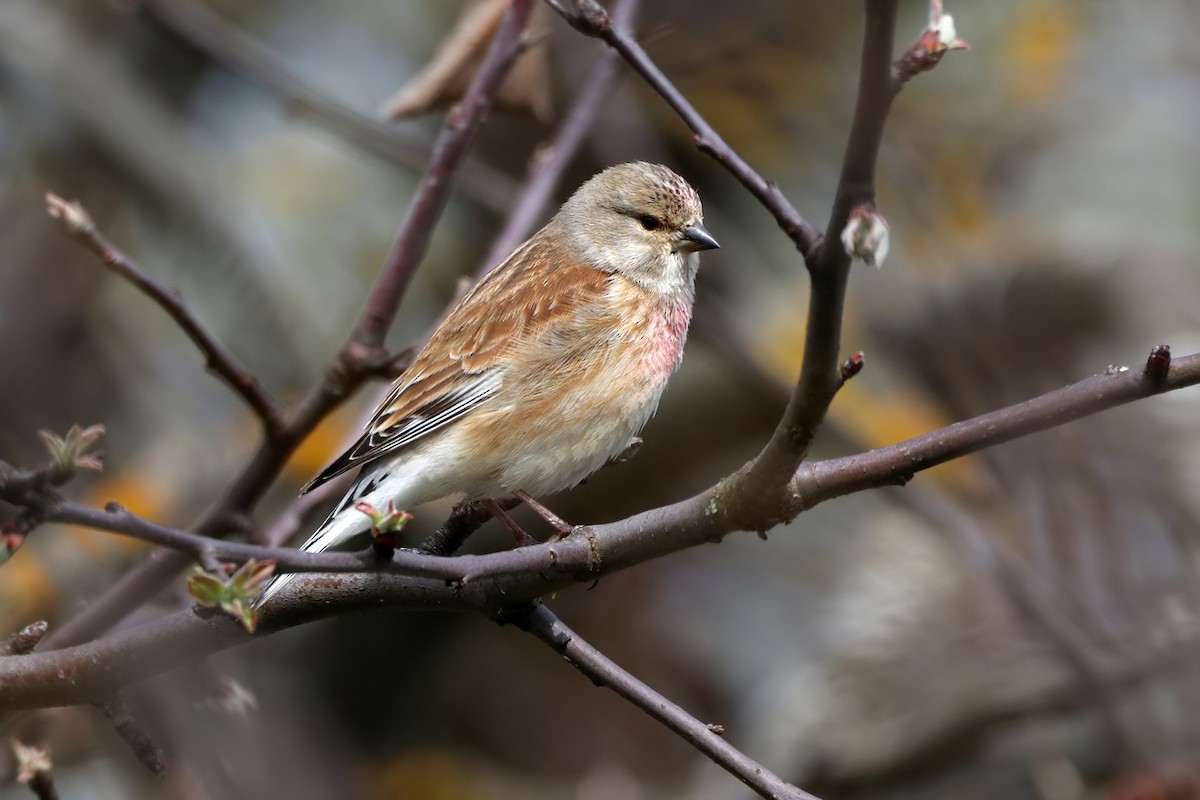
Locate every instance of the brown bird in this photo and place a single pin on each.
(551, 364)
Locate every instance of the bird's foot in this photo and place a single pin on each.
(562, 528)
(523, 538)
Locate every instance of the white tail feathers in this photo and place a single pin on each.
(383, 485)
(342, 524)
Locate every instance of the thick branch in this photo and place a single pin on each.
(602, 671)
(219, 361)
(588, 17)
(456, 136)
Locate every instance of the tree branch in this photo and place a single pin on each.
(775, 487)
(590, 18)
(466, 518)
(218, 360)
(897, 463)
(115, 519)
(526, 573)
(602, 671)
(820, 377)
(462, 123)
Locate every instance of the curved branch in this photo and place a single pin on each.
(219, 360)
(897, 463)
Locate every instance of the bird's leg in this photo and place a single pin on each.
(523, 538)
(560, 525)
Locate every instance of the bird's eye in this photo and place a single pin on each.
(649, 222)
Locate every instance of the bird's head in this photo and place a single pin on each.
(640, 220)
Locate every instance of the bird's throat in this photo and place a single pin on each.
(669, 327)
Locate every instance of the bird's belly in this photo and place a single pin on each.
(552, 432)
(551, 445)
(560, 450)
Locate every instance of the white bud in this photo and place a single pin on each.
(30, 761)
(72, 214)
(944, 28)
(866, 236)
(940, 35)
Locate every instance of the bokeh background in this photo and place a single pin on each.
(1019, 624)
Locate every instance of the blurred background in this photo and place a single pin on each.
(1019, 624)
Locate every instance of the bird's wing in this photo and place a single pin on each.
(535, 294)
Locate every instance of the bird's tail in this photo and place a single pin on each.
(346, 521)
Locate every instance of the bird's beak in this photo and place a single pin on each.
(695, 238)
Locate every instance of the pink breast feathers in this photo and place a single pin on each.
(668, 331)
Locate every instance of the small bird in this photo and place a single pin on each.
(548, 368)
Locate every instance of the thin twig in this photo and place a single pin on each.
(590, 18)
(601, 670)
(218, 360)
(549, 162)
(116, 711)
(233, 49)
(33, 769)
(840, 476)
(936, 40)
(115, 519)
(820, 376)
(350, 368)
(462, 123)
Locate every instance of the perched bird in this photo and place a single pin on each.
(548, 367)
